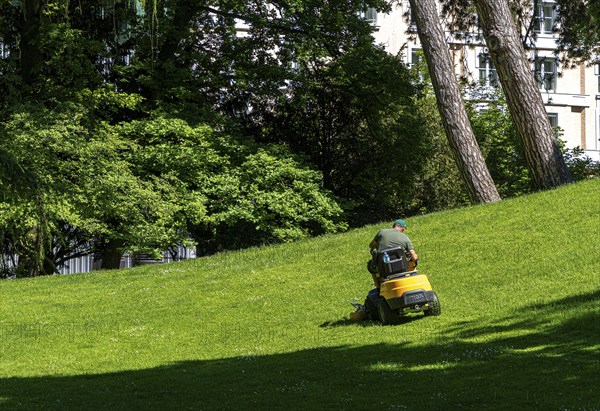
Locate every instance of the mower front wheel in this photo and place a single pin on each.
(435, 308)
(386, 314)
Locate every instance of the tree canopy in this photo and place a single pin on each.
(578, 27)
(134, 126)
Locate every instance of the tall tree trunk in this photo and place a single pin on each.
(30, 246)
(450, 104)
(111, 254)
(29, 45)
(544, 159)
(178, 29)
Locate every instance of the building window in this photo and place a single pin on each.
(370, 15)
(545, 17)
(4, 52)
(545, 73)
(488, 76)
(416, 56)
(417, 62)
(553, 117)
(410, 18)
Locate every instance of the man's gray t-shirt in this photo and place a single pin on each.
(391, 237)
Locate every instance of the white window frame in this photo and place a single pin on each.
(414, 56)
(4, 51)
(370, 15)
(545, 16)
(412, 24)
(553, 118)
(546, 77)
(488, 76)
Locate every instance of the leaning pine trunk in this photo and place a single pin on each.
(466, 151)
(544, 159)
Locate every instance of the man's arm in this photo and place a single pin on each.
(375, 242)
(413, 255)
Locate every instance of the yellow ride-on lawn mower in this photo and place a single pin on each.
(400, 288)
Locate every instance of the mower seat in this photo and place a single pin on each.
(398, 262)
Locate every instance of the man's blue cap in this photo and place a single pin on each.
(400, 223)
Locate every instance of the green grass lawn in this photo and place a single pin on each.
(268, 328)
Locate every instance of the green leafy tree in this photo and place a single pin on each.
(580, 165)
(143, 186)
(123, 101)
(502, 148)
(578, 26)
(83, 189)
(239, 193)
(355, 119)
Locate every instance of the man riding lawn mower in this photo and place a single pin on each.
(399, 287)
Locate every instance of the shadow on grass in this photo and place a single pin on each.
(553, 367)
(573, 300)
(535, 316)
(366, 323)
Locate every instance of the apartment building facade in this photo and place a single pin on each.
(571, 95)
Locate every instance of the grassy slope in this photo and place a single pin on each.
(519, 283)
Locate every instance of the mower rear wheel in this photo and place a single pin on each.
(435, 308)
(386, 314)
(370, 309)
